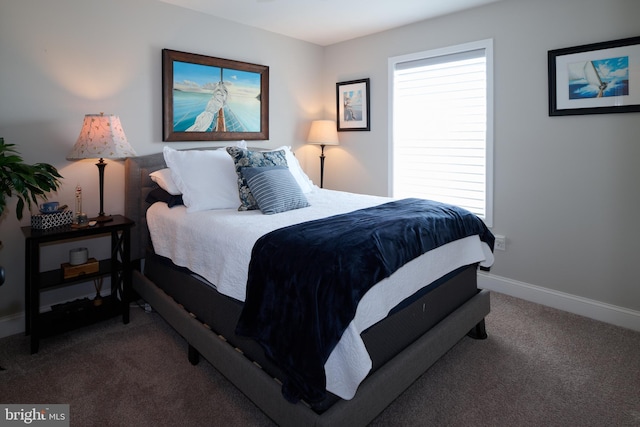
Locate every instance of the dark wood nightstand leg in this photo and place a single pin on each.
(32, 294)
(121, 278)
(27, 288)
(126, 274)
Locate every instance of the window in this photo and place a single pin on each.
(442, 126)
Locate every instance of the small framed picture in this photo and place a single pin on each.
(596, 78)
(352, 100)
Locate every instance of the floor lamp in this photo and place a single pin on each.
(101, 137)
(323, 132)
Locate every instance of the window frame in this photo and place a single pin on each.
(487, 46)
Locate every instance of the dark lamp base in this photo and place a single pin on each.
(102, 218)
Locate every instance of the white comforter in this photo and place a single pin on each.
(217, 245)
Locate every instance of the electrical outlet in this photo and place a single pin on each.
(500, 243)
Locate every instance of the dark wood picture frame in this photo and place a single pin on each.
(207, 89)
(595, 78)
(352, 105)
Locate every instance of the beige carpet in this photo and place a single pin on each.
(539, 366)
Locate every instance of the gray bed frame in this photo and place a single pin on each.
(375, 393)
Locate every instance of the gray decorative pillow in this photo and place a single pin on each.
(243, 158)
(274, 189)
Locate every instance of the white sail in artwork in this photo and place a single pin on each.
(592, 75)
(215, 105)
(587, 71)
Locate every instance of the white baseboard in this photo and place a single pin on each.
(11, 325)
(619, 316)
(592, 309)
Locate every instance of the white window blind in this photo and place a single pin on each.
(441, 127)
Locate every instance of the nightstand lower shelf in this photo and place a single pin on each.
(76, 314)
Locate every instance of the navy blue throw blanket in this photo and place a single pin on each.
(305, 280)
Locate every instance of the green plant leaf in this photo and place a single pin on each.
(27, 182)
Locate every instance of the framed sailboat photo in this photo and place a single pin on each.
(352, 105)
(595, 79)
(212, 99)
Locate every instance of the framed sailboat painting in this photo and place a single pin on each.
(352, 105)
(212, 99)
(595, 79)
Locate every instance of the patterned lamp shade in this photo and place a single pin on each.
(101, 137)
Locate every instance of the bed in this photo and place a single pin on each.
(442, 305)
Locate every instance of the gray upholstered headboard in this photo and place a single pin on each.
(137, 185)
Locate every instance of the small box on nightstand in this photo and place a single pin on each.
(50, 220)
(91, 266)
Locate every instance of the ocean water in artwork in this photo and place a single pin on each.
(241, 114)
(206, 97)
(599, 78)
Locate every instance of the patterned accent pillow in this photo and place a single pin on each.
(243, 158)
(275, 189)
(306, 185)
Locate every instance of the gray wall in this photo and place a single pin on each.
(566, 188)
(63, 59)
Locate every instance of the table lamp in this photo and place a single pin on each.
(101, 137)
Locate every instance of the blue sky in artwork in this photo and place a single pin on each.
(206, 74)
(613, 68)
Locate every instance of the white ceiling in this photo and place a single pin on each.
(326, 22)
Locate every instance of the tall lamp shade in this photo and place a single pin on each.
(101, 137)
(323, 132)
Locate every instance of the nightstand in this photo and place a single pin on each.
(80, 312)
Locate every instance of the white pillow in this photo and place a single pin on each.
(306, 185)
(206, 178)
(163, 178)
